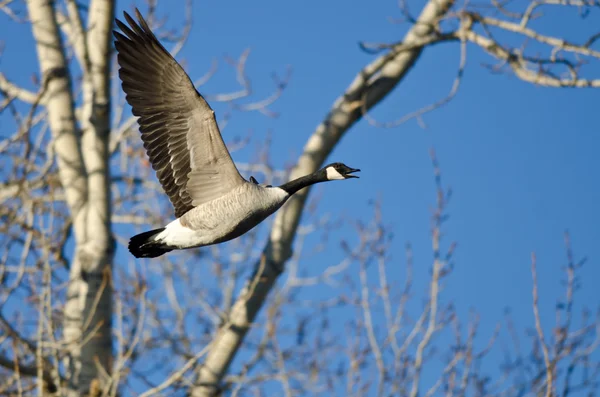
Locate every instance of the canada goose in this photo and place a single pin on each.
(213, 202)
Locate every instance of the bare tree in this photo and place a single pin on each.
(369, 87)
(67, 175)
(76, 171)
(82, 161)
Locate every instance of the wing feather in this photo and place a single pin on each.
(178, 127)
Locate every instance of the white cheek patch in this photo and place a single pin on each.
(333, 174)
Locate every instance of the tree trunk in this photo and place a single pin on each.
(83, 167)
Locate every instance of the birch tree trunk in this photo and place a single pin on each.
(82, 157)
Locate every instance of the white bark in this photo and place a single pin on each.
(61, 116)
(13, 91)
(99, 248)
(83, 168)
(370, 86)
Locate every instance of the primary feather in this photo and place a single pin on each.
(178, 127)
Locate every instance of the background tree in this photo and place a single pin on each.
(75, 178)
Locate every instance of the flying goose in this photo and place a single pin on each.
(213, 203)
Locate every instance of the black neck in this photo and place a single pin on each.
(292, 187)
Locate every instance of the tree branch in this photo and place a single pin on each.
(11, 90)
(345, 112)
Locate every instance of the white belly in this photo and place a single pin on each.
(177, 235)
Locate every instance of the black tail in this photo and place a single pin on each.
(143, 245)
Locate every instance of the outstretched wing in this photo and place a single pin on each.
(178, 127)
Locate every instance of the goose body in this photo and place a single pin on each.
(213, 203)
(224, 218)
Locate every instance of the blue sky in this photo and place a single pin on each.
(521, 159)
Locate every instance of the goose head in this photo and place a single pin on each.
(338, 171)
(331, 172)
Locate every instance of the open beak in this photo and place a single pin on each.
(352, 170)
